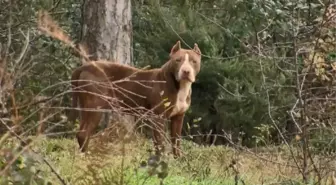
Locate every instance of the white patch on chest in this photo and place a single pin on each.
(181, 104)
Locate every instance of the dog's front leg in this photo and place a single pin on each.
(176, 131)
(158, 134)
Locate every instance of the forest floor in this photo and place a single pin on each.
(119, 162)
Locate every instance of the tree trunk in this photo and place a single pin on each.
(107, 31)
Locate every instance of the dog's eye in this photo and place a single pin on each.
(178, 60)
(193, 61)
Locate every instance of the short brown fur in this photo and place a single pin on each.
(145, 93)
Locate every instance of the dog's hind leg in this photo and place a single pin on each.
(89, 123)
(81, 134)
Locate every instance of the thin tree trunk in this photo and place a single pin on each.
(107, 32)
(107, 29)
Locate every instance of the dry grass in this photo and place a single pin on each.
(200, 165)
(113, 159)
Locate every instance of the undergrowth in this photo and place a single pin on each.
(131, 162)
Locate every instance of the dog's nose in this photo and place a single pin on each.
(185, 72)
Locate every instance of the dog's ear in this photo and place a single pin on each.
(175, 48)
(196, 49)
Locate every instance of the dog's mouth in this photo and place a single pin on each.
(186, 78)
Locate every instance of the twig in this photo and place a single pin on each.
(44, 160)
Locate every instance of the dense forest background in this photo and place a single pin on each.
(267, 77)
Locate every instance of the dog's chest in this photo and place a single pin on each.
(182, 103)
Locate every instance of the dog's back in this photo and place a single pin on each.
(131, 86)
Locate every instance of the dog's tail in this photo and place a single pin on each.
(74, 92)
(48, 26)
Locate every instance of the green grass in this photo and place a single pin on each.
(117, 162)
(107, 165)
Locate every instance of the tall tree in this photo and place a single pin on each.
(107, 31)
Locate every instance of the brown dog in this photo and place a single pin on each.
(136, 88)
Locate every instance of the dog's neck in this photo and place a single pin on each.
(169, 76)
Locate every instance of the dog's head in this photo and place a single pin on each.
(186, 62)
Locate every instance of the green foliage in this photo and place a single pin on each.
(39, 65)
(244, 103)
(248, 79)
(198, 165)
(155, 166)
(247, 87)
(230, 93)
(23, 167)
